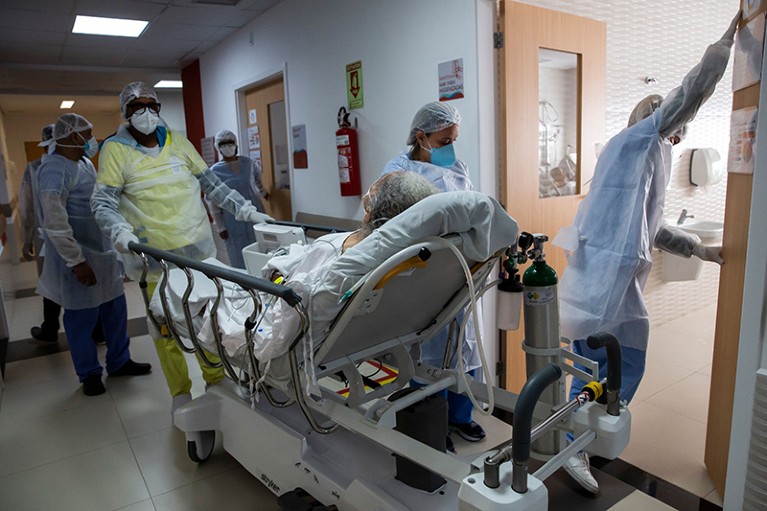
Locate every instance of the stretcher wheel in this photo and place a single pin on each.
(200, 445)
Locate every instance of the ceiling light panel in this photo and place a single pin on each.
(169, 84)
(108, 26)
(66, 104)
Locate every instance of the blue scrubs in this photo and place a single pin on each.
(79, 324)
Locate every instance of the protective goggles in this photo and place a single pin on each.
(140, 108)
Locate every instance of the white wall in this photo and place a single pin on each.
(400, 45)
(172, 111)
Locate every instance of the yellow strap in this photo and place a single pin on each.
(413, 262)
(595, 387)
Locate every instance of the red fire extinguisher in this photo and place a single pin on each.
(348, 156)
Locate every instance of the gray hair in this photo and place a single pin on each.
(392, 194)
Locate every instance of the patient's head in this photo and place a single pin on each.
(392, 194)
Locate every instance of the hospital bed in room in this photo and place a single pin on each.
(287, 423)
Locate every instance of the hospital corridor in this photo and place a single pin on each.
(335, 255)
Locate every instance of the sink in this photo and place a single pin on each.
(705, 229)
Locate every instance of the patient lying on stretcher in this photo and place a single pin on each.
(304, 268)
(325, 270)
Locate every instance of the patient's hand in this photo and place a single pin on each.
(224, 235)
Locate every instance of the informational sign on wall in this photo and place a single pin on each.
(450, 80)
(354, 93)
(300, 157)
(208, 147)
(255, 155)
(742, 141)
(252, 117)
(254, 139)
(747, 62)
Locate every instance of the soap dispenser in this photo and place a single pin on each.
(706, 167)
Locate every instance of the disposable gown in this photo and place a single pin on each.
(27, 215)
(153, 193)
(453, 179)
(612, 237)
(244, 176)
(72, 236)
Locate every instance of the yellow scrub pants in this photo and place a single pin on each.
(174, 366)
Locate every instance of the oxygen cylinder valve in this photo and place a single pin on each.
(537, 253)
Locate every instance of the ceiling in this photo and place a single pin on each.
(40, 56)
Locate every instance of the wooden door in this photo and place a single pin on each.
(271, 144)
(529, 33)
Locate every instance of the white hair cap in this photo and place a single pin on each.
(68, 124)
(135, 90)
(645, 108)
(225, 135)
(433, 117)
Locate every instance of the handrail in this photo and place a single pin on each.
(242, 279)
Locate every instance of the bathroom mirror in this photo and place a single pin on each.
(557, 123)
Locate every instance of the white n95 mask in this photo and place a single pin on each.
(227, 150)
(146, 122)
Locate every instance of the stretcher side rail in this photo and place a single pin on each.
(216, 274)
(242, 279)
(360, 332)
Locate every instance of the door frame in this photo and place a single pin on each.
(240, 89)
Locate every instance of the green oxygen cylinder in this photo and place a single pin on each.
(542, 339)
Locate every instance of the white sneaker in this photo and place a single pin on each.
(579, 469)
(179, 401)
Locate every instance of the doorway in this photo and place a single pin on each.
(553, 87)
(264, 136)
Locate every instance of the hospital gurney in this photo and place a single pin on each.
(338, 448)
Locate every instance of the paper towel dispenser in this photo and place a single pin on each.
(706, 167)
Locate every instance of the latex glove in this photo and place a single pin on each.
(28, 251)
(708, 253)
(252, 215)
(122, 240)
(729, 35)
(84, 274)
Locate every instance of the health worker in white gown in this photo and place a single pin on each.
(619, 223)
(432, 137)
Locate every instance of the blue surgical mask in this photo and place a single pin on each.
(91, 147)
(442, 156)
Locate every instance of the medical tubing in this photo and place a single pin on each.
(522, 422)
(242, 279)
(611, 345)
(459, 348)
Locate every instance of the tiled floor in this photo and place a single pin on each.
(119, 451)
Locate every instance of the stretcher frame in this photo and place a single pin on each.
(339, 450)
